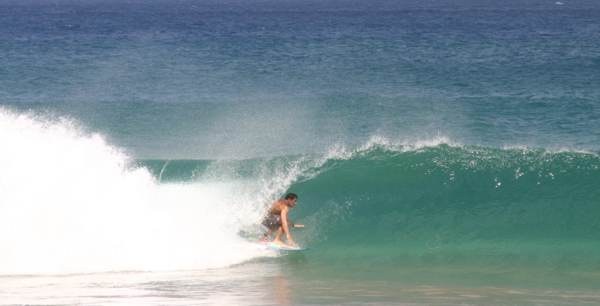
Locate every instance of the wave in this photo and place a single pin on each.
(70, 202)
(436, 204)
(473, 187)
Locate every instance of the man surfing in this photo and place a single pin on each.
(276, 220)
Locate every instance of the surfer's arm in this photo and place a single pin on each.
(297, 225)
(294, 224)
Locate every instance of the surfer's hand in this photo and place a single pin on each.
(298, 225)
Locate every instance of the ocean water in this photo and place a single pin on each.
(444, 152)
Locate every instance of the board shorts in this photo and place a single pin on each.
(272, 221)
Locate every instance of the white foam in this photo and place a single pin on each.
(71, 203)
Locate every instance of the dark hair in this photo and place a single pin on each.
(291, 196)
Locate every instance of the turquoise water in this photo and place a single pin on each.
(503, 214)
(444, 152)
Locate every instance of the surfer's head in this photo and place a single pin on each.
(291, 199)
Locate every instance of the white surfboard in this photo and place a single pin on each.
(272, 246)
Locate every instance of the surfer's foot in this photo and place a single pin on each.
(280, 243)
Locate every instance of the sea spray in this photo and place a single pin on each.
(71, 203)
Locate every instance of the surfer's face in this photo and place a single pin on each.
(292, 202)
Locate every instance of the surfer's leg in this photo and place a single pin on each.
(278, 237)
(278, 241)
(267, 234)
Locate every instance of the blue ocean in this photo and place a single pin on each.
(445, 152)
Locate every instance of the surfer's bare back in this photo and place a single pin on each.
(276, 220)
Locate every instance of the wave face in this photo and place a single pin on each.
(460, 208)
(386, 209)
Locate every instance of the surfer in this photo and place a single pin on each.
(276, 220)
